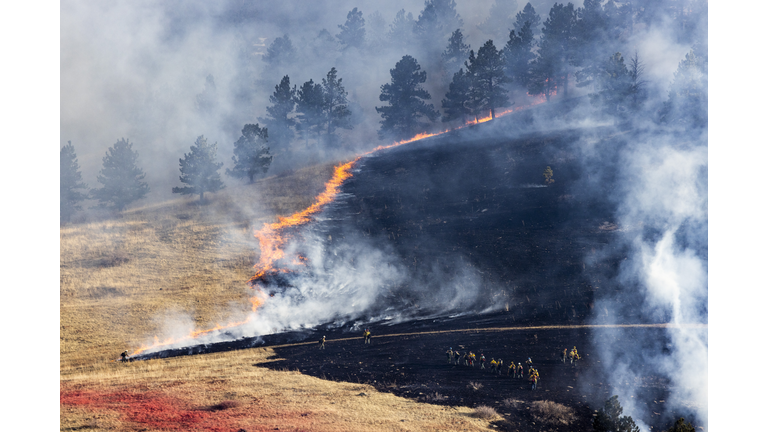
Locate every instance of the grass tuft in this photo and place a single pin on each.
(485, 412)
(474, 385)
(552, 413)
(223, 405)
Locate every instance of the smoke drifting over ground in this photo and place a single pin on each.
(137, 70)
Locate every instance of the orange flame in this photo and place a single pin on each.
(272, 236)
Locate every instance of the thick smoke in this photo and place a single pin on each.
(140, 70)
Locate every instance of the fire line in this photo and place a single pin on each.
(272, 236)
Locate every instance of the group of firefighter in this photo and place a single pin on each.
(468, 358)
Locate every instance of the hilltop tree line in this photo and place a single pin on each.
(538, 58)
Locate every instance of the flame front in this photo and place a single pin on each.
(273, 236)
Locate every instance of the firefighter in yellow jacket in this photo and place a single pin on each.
(367, 336)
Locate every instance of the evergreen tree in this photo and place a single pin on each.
(199, 170)
(455, 105)
(251, 153)
(280, 53)
(353, 31)
(277, 121)
(499, 17)
(590, 45)
(688, 98)
(402, 30)
(436, 22)
(406, 96)
(681, 426)
(609, 418)
(309, 109)
(613, 85)
(70, 180)
(205, 102)
(377, 34)
(456, 52)
(487, 75)
(335, 111)
(518, 55)
(528, 14)
(122, 180)
(552, 65)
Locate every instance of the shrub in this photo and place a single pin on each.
(512, 403)
(485, 412)
(552, 412)
(437, 397)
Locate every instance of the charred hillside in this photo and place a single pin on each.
(478, 209)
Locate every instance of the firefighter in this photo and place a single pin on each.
(450, 355)
(472, 358)
(511, 369)
(482, 361)
(367, 335)
(322, 343)
(493, 364)
(124, 356)
(466, 359)
(499, 366)
(534, 378)
(529, 362)
(519, 370)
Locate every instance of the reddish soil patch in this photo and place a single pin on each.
(154, 410)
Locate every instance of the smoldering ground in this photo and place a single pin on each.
(633, 208)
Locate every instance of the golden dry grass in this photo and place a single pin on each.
(119, 277)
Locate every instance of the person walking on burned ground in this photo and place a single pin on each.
(322, 343)
(574, 355)
(466, 359)
(565, 355)
(500, 366)
(124, 356)
(457, 357)
(472, 358)
(449, 353)
(511, 369)
(533, 377)
(519, 370)
(493, 364)
(367, 336)
(482, 361)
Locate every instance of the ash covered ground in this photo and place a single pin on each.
(471, 209)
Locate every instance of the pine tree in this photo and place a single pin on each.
(70, 180)
(528, 14)
(122, 180)
(199, 170)
(590, 45)
(551, 68)
(206, 102)
(406, 96)
(251, 153)
(688, 98)
(402, 30)
(455, 104)
(613, 84)
(335, 111)
(353, 31)
(376, 37)
(436, 22)
(487, 74)
(681, 426)
(283, 101)
(280, 53)
(456, 52)
(518, 55)
(609, 418)
(499, 17)
(309, 109)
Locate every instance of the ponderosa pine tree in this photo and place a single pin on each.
(70, 183)
(406, 96)
(613, 85)
(552, 66)
(353, 31)
(251, 153)
(309, 109)
(199, 170)
(487, 77)
(335, 111)
(402, 30)
(528, 14)
(681, 426)
(455, 105)
(688, 98)
(609, 418)
(277, 120)
(121, 179)
(456, 52)
(499, 17)
(436, 22)
(280, 53)
(518, 55)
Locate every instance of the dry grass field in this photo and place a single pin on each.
(121, 277)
